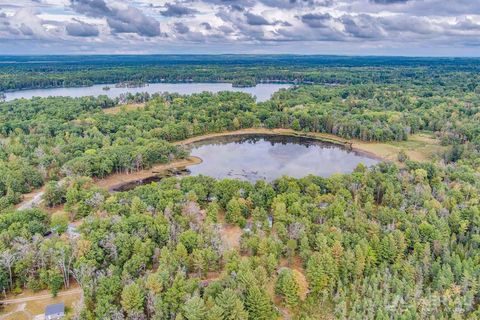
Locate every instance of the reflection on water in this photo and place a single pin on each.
(269, 157)
(262, 91)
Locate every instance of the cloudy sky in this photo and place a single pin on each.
(354, 27)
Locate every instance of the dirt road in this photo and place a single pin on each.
(40, 297)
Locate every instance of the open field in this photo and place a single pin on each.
(419, 147)
(126, 107)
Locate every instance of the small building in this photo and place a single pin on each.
(55, 311)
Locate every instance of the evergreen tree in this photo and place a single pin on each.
(321, 272)
(234, 211)
(258, 304)
(214, 313)
(194, 309)
(287, 287)
(231, 305)
(132, 298)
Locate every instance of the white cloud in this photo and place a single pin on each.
(331, 26)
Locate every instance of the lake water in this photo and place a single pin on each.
(262, 91)
(269, 157)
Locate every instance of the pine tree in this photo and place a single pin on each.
(132, 298)
(288, 287)
(198, 261)
(258, 304)
(212, 211)
(215, 313)
(232, 307)
(138, 206)
(321, 272)
(291, 247)
(234, 211)
(194, 309)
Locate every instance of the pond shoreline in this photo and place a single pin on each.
(354, 145)
(117, 182)
(424, 148)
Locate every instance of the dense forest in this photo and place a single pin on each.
(393, 241)
(63, 71)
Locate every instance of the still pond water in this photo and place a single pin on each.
(262, 91)
(269, 157)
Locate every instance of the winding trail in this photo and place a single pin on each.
(31, 200)
(34, 202)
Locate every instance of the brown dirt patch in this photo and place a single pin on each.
(29, 199)
(231, 236)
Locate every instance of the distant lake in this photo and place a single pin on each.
(267, 157)
(262, 91)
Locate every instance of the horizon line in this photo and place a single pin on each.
(238, 54)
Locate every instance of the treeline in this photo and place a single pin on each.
(239, 70)
(122, 158)
(379, 243)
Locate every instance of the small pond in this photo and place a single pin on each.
(269, 157)
(262, 91)
(263, 157)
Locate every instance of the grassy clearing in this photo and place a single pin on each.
(419, 147)
(125, 107)
(230, 235)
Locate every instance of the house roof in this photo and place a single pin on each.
(54, 309)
